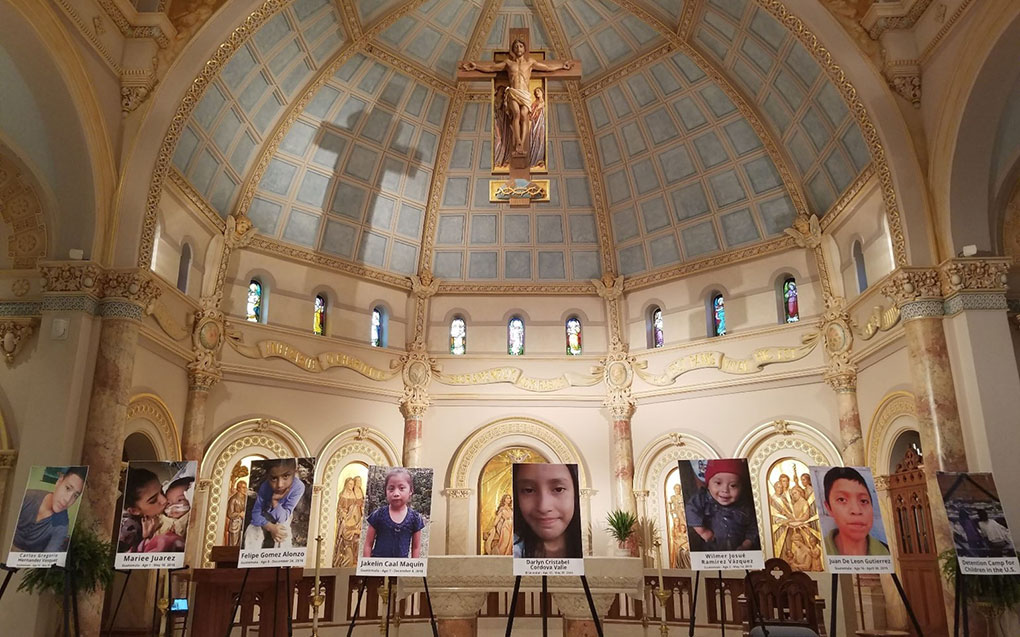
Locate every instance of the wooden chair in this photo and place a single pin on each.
(783, 598)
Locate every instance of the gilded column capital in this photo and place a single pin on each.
(136, 286)
(8, 458)
(841, 378)
(14, 333)
(916, 291)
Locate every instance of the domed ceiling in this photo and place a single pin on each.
(699, 130)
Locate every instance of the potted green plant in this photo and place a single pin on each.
(622, 526)
(89, 558)
(994, 595)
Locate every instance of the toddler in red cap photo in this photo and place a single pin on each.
(721, 513)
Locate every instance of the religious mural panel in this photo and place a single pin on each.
(676, 529)
(793, 516)
(495, 502)
(350, 510)
(238, 489)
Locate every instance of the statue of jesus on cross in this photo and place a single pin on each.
(518, 80)
(517, 96)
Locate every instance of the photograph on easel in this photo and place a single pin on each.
(981, 536)
(853, 532)
(277, 513)
(48, 512)
(547, 520)
(395, 529)
(154, 514)
(719, 512)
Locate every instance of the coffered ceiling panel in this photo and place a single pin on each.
(669, 161)
(804, 109)
(434, 35)
(602, 35)
(686, 175)
(352, 175)
(239, 108)
(478, 240)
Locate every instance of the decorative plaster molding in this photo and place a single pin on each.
(962, 302)
(468, 452)
(310, 363)
(8, 459)
(718, 360)
(516, 377)
(885, 16)
(14, 333)
(166, 321)
(416, 371)
(20, 287)
(21, 209)
(880, 436)
(908, 285)
(458, 494)
(880, 320)
(947, 25)
(151, 408)
(21, 308)
(974, 275)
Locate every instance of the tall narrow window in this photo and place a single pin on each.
(254, 306)
(658, 336)
(574, 336)
(184, 267)
(319, 319)
(862, 271)
(379, 326)
(791, 310)
(458, 336)
(515, 336)
(718, 315)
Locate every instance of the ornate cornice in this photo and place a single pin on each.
(909, 285)
(974, 275)
(21, 209)
(417, 369)
(880, 17)
(79, 277)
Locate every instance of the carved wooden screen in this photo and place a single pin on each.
(917, 555)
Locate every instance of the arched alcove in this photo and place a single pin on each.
(778, 440)
(652, 469)
(354, 444)
(478, 448)
(148, 415)
(253, 436)
(896, 414)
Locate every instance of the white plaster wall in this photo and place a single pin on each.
(865, 222)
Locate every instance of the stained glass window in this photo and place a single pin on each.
(658, 336)
(376, 328)
(791, 311)
(319, 319)
(862, 271)
(515, 336)
(574, 336)
(458, 336)
(254, 306)
(718, 315)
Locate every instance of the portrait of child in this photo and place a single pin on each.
(48, 511)
(400, 501)
(279, 504)
(718, 505)
(547, 511)
(850, 517)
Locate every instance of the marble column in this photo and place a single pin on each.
(458, 527)
(411, 455)
(622, 455)
(193, 433)
(586, 495)
(844, 384)
(125, 296)
(918, 294)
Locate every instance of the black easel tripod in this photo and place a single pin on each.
(545, 608)
(361, 592)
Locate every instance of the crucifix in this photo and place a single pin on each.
(519, 106)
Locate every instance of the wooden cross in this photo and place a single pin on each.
(518, 78)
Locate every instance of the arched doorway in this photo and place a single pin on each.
(495, 499)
